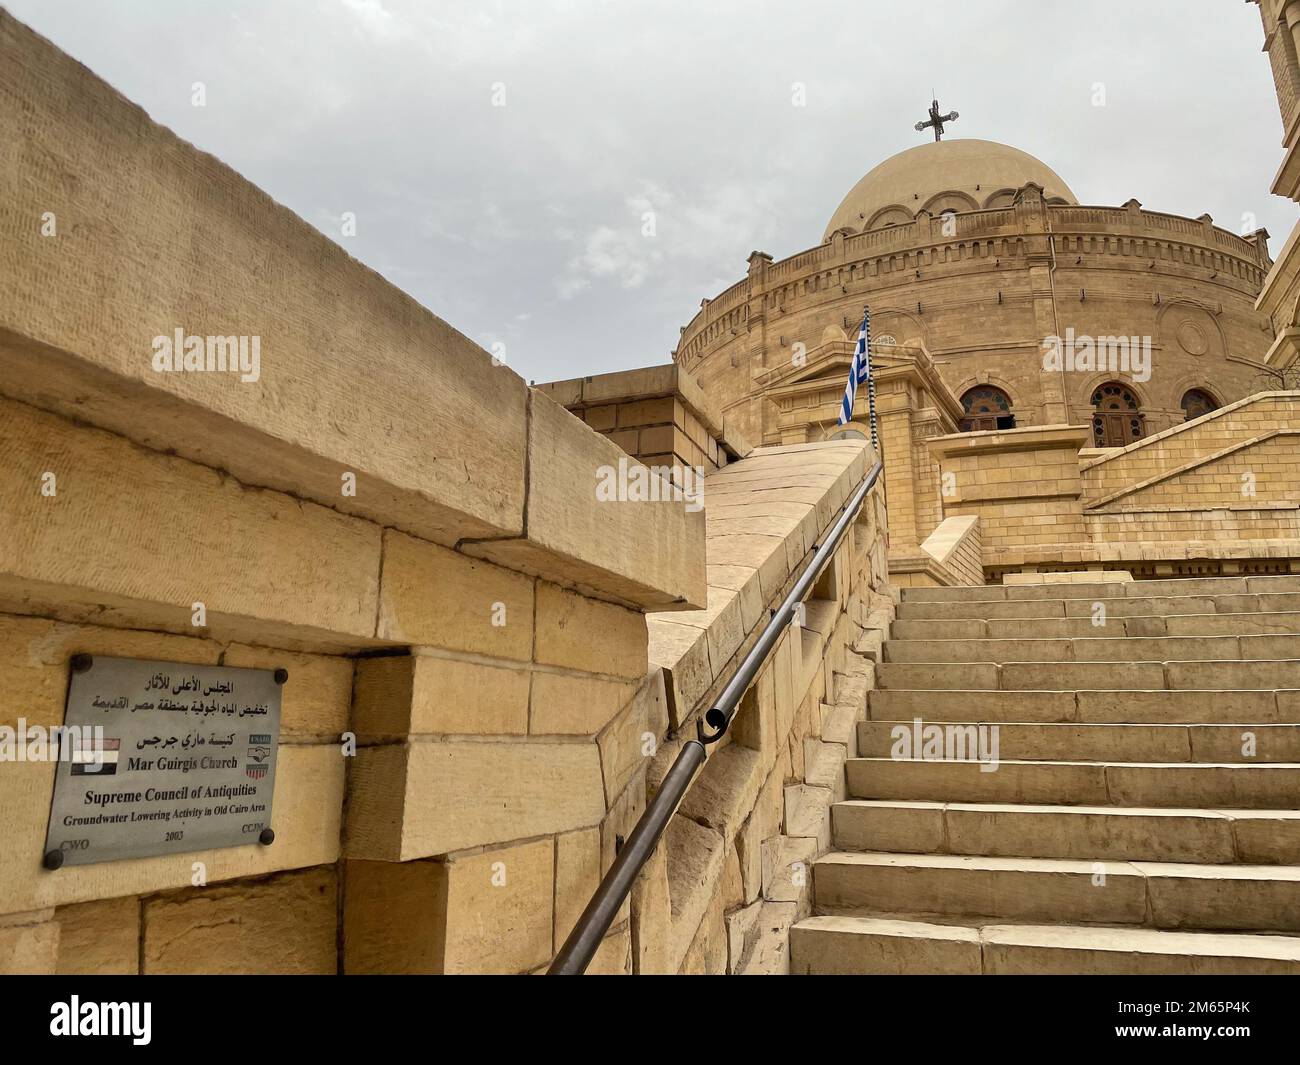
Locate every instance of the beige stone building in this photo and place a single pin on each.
(970, 254)
(492, 665)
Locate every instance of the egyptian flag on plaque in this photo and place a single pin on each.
(99, 758)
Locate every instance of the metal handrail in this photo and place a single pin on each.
(587, 934)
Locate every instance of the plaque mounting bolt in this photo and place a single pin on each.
(281, 675)
(53, 859)
(265, 839)
(82, 663)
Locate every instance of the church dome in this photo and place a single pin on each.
(960, 175)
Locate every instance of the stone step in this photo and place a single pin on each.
(1105, 589)
(1114, 607)
(1159, 784)
(1096, 648)
(1101, 833)
(1093, 742)
(1261, 623)
(834, 945)
(1257, 674)
(1163, 895)
(1191, 707)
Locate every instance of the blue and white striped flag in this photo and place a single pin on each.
(859, 369)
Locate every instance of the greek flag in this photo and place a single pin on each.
(859, 369)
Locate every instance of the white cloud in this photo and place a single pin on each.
(381, 107)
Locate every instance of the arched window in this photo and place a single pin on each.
(1196, 401)
(848, 434)
(1117, 419)
(986, 407)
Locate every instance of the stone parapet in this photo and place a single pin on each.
(359, 400)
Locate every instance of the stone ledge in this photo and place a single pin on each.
(626, 386)
(354, 377)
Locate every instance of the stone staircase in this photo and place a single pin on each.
(1144, 812)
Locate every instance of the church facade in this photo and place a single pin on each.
(1033, 309)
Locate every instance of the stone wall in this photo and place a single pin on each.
(405, 527)
(658, 415)
(981, 297)
(487, 663)
(476, 739)
(732, 873)
(1213, 495)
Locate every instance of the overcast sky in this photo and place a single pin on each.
(522, 224)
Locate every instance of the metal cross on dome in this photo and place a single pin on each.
(936, 120)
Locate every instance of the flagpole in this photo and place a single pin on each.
(871, 380)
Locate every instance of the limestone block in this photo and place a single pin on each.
(807, 813)
(394, 917)
(616, 827)
(646, 553)
(614, 955)
(629, 741)
(731, 889)
(423, 694)
(695, 859)
(787, 868)
(722, 624)
(488, 912)
(652, 916)
(742, 931)
(783, 666)
(100, 938)
(763, 823)
(577, 704)
(754, 725)
(306, 818)
(427, 797)
(707, 954)
(725, 789)
(439, 597)
(34, 656)
(577, 875)
(355, 375)
(500, 909)
(855, 946)
(839, 725)
(683, 652)
(824, 766)
(578, 632)
(766, 554)
(114, 533)
(314, 701)
(282, 925)
(744, 580)
(29, 944)
(770, 954)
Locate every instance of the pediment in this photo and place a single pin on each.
(831, 365)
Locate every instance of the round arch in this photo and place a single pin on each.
(1118, 416)
(1198, 402)
(1001, 198)
(847, 431)
(950, 200)
(893, 215)
(965, 384)
(904, 326)
(985, 407)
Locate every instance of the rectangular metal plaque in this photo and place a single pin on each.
(161, 758)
